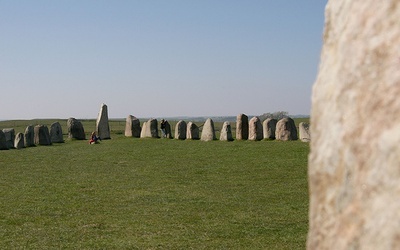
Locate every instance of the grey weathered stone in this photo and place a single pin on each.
(168, 130)
(226, 132)
(255, 129)
(242, 127)
(286, 130)
(150, 129)
(3, 141)
(19, 141)
(29, 136)
(102, 125)
(192, 131)
(208, 132)
(56, 135)
(10, 137)
(132, 127)
(75, 129)
(354, 160)
(269, 127)
(304, 132)
(180, 130)
(42, 135)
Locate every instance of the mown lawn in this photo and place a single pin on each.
(128, 193)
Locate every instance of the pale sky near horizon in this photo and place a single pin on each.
(158, 58)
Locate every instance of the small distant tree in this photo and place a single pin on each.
(276, 115)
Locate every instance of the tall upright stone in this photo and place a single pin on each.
(3, 141)
(180, 130)
(242, 127)
(168, 131)
(75, 129)
(353, 166)
(42, 135)
(56, 135)
(150, 129)
(102, 125)
(19, 141)
(208, 132)
(286, 130)
(192, 131)
(226, 132)
(255, 129)
(10, 137)
(304, 132)
(269, 128)
(29, 136)
(132, 127)
(144, 132)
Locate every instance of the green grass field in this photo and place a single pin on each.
(128, 193)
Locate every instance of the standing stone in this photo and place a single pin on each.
(56, 135)
(180, 130)
(226, 132)
(102, 125)
(3, 141)
(19, 141)
(10, 137)
(150, 129)
(75, 129)
(269, 128)
(208, 132)
(286, 130)
(168, 131)
(132, 127)
(42, 135)
(304, 132)
(255, 129)
(29, 136)
(242, 127)
(192, 131)
(354, 160)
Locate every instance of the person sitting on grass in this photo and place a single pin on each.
(94, 138)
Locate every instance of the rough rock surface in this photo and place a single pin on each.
(10, 137)
(75, 129)
(3, 142)
(168, 130)
(42, 135)
(354, 161)
(304, 132)
(226, 132)
(56, 135)
(102, 125)
(192, 131)
(255, 129)
(286, 130)
(150, 129)
(269, 127)
(144, 130)
(132, 127)
(242, 127)
(208, 132)
(19, 141)
(29, 136)
(180, 130)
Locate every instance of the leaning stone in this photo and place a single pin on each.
(102, 125)
(208, 132)
(226, 132)
(354, 161)
(42, 135)
(10, 136)
(3, 141)
(192, 131)
(242, 127)
(269, 127)
(29, 136)
(56, 134)
(286, 130)
(180, 130)
(19, 141)
(255, 129)
(304, 132)
(132, 127)
(75, 129)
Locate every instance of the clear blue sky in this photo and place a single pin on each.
(158, 58)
